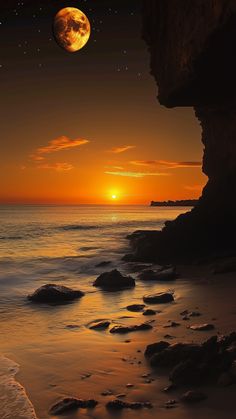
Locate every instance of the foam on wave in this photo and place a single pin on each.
(14, 401)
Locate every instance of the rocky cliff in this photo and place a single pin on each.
(192, 44)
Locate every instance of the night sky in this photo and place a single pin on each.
(104, 94)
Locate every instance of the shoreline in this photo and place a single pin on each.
(111, 362)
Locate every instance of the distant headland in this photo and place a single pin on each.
(180, 203)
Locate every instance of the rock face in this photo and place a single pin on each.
(69, 404)
(54, 294)
(114, 281)
(128, 329)
(193, 60)
(196, 364)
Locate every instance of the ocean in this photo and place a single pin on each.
(59, 244)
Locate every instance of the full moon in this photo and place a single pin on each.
(71, 29)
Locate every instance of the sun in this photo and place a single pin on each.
(114, 197)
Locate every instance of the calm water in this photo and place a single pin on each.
(61, 244)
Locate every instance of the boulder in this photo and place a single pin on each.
(127, 329)
(155, 348)
(135, 307)
(54, 294)
(114, 281)
(159, 298)
(100, 325)
(149, 312)
(202, 327)
(69, 404)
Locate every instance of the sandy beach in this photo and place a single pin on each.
(83, 363)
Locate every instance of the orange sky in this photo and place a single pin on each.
(82, 127)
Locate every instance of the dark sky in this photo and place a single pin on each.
(103, 93)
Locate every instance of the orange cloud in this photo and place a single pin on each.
(121, 149)
(60, 167)
(167, 164)
(136, 174)
(61, 143)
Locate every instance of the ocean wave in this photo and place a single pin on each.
(13, 398)
(11, 237)
(72, 227)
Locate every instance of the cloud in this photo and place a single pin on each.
(121, 149)
(58, 144)
(60, 167)
(167, 164)
(136, 174)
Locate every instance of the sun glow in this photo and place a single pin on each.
(114, 197)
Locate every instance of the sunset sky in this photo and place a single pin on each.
(77, 128)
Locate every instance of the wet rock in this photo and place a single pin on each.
(159, 298)
(129, 385)
(69, 404)
(170, 404)
(114, 281)
(170, 388)
(107, 393)
(193, 397)
(103, 264)
(188, 372)
(129, 329)
(176, 353)
(202, 327)
(135, 307)
(149, 312)
(120, 405)
(155, 348)
(161, 274)
(54, 294)
(194, 314)
(100, 325)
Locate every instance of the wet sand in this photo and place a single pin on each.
(57, 361)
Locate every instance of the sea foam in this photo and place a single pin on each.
(14, 401)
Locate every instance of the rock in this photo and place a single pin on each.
(135, 307)
(114, 281)
(161, 274)
(103, 264)
(194, 314)
(202, 327)
(100, 325)
(193, 397)
(170, 388)
(120, 405)
(159, 298)
(176, 353)
(149, 312)
(69, 404)
(54, 294)
(188, 372)
(156, 348)
(128, 329)
(129, 385)
(107, 393)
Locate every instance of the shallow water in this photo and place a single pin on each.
(53, 244)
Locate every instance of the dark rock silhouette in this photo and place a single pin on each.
(127, 329)
(114, 281)
(193, 60)
(159, 298)
(135, 307)
(54, 294)
(69, 404)
(103, 325)
(195, 364)
(120, 405)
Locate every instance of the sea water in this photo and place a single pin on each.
(63, 245)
